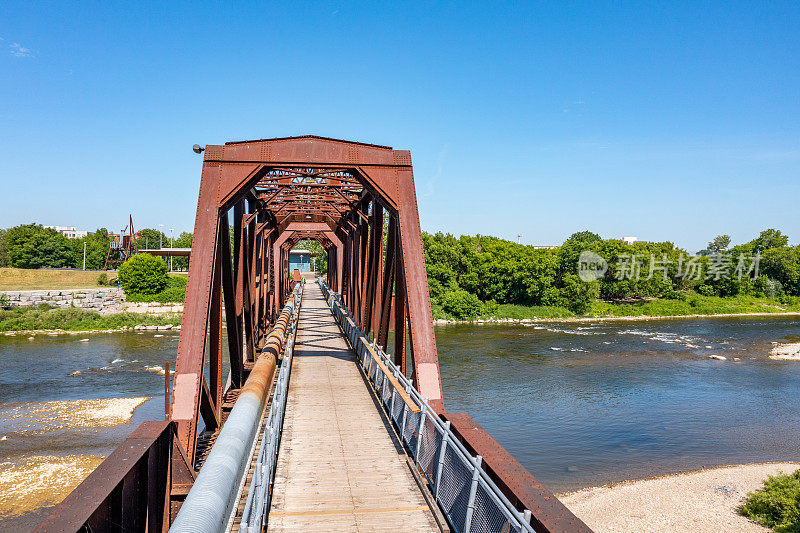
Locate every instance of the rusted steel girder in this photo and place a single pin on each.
(129, 491)
(277, 192)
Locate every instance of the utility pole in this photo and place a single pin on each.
(84, 255)
(171, 245)
(160, 237)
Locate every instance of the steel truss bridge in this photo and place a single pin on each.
(325, 421)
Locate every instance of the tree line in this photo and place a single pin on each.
(471, 275)
(34, 246)
(468, 275)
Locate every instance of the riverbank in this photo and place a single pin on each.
(637, 318)
(698, 501)
(54, 332)
(44, 319)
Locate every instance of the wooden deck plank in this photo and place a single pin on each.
(338, 468)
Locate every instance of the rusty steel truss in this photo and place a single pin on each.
(257, 200)
(357, 200)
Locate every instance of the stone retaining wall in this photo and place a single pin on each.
(151, 308)
(105, 301)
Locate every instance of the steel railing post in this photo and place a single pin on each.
(422, 414)
(445, 439)
(473, 491)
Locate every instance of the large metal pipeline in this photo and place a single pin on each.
(211, 500)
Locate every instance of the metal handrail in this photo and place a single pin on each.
(258, 497)
(210, 505)
(503, 516)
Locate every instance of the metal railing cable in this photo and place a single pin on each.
(466, 495)
(258, 497)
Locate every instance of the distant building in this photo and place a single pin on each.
(69, 232)
(542, 247)
(629, 240)
(300, 260)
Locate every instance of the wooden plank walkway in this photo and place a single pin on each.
(339, 468)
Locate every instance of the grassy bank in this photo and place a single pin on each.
(73, 319)
(175, 292)
(23, 279)
(694, 304)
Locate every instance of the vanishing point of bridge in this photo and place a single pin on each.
(330, 414)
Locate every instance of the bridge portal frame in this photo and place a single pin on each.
(381, 277)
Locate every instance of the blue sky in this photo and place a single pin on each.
(667, 121)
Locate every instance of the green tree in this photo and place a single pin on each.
(783, 265)
(152, 239)
(143, 274)
(184, 240)
(319, 254)
(719, 244)
(96, 248)
(4, 260)
(770, 238)
(577, 295)
(33, 246)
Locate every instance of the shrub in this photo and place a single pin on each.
(706, 290)
(777, 505)
(771, 288)
(461, 304)
(143, 274)
(491, 308)
(4, 304)
(174, 292)
(578, 295)
(102, 279)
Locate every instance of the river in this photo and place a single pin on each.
(578, 404)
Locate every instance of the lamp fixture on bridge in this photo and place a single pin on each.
(197, 148)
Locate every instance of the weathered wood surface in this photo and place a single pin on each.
(339, 469)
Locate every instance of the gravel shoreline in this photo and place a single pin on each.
(698, 501)
(139, 328)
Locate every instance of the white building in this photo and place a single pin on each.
(629, 239)
(69, 231)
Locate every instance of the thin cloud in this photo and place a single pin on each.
(430, 185)
(17, 50)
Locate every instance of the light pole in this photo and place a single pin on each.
(160, 237)
(171, 245)
(84, 255)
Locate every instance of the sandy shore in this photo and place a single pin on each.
(699, 501)
(640, 318)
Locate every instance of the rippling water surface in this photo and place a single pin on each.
(578, 404)
(584, 404)
(66, 402)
